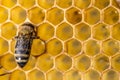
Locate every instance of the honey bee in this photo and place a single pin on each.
(24, 40)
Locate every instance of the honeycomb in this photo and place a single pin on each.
(79, 39)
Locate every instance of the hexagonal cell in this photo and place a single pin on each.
(30, 64)
(101, 31)
(45, 62)
(8, 3)
(110, 75)
(63, 62)
(92, 15)
(36, 75)
(36, 15)
(4, 46)
(111, 15)
(73, 47)
(45, 31)
(115, 3)
(3, 14)
(46, 3)
(8, 30)
(64, 31)
(5, 77)
(115, 61)
(91, 51)
(98, 62)
(110, 47)
(54, 75)
(91, 75)
(72, 75)
(82, 4)
(55, 15)
(38, 47)
(54, 47)
(82, 62)
(102, 3)
(116, 31)
(82, 31)
(27, 3)
(7, 60)
(64, 3)
(12, 45)
(73, 15)
(18, 15)
(18, 75)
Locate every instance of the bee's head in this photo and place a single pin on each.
(26, 29)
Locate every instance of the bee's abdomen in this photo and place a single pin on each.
(22, 57)
(22, 51)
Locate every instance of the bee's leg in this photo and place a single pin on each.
(14, 38)
(35, 37)
(2, 74)
(5, 74)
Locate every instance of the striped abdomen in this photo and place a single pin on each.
(22, 50)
